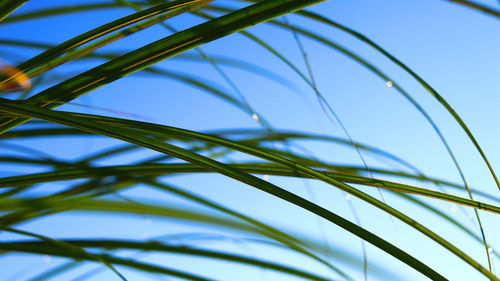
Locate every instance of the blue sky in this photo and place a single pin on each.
(453, 48)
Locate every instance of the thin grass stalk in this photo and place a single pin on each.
(252, 168)
(160, 50)
(40, 247)
(9, 6)
(62, 10)
(477, 6)
(67, 247)
(75, 54)
(239, 175)
(315, 174)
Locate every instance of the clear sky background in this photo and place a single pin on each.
(455, 49)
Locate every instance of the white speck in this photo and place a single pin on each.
(389, 84)
(255, 116)
(490, 250)
(47, 258)
(265, 177)
(454, 208)
(149, 221)
(347, 197)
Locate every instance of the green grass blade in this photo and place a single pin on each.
(270, 157)
(218, 69)
(277, 235)
(160, 247)
(447, 218)
(55, 271)
(269, 231)
(9, 6)
(421, 81)
(168, 169)
(479, 7)
(150, 209)
(222, 60)
(75, 54)
(63, 10)
(386, 78)
(65, 246)
(129, 136)
(160, 50)
(101, 31)
(43, 249)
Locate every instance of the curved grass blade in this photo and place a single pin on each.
(177, 152)
(350, 169)
(9, 6)
(43, 132)
(185, 78)
(219, 70)
(421, 81)
(160, 50)
(244, 65)
(274, 136)
(257, 137)
(397, 87)
(111, 206)
(48, 59)
(32, 161)
(289, 241)
(44, 249)
(322, 100)
(168, 169)
(223, 60)
(294, 135)
(158, 210)
(349, 54)
(266, 230)
(65, 246)
(279, 236)
(160, 247)
(479, 7)
(101, 31)
(75, 54)
(353, 56)
(55, 271)
(63, 10)
(446, 217)
(294, 165)
(25, 150)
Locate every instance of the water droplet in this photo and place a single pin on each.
(347, 197)
(255, 116)
(389, 84)
(265, 177)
